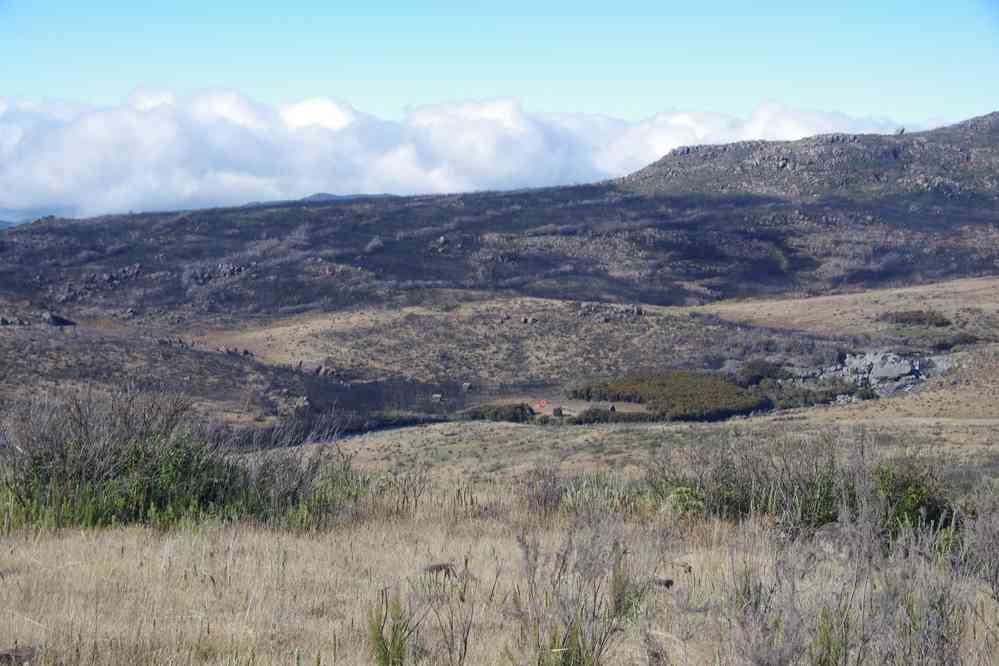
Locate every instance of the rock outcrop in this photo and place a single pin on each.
(884, 372)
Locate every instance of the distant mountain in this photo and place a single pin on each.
(319, 197)
(834, 212)
(322, 197)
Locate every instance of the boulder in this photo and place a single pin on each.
(878, 367)
(53, 319)
(891, 369)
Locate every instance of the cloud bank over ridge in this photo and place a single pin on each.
(160, 151)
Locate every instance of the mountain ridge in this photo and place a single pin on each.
(958, 160)
(833, 212)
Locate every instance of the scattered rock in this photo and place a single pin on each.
(53, 319)
(445, 569)
(17, 655)
(664, 583)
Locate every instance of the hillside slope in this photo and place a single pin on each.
(826, 213)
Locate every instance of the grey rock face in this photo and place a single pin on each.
(877, 367)
(885, 372)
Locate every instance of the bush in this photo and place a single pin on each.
(951, 342)
(137, 457)
(678, 395)
(598, 415)
(755, 371)
(514, 413)
(575, 603)
(791, 396)
(391, 629)
(927, 317)
(801, 483)
(913, 496)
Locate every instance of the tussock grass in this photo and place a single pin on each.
(138, 457)
(776, 549)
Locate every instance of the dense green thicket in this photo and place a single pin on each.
(757, 370)
(678, 394)
(513, 413)
(601, 415)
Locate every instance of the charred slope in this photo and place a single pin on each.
(703, 223)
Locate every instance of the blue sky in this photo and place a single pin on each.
(109, 106)
(906, 60)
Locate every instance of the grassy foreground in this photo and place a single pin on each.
(778, 549)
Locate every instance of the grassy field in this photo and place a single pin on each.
(520, 571)
(973, 300)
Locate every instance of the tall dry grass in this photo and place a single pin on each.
(776, 550)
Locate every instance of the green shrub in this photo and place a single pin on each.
(755, 371)
(686, 500)
(599, 415)
(678, 395)
(135, 458)
(866, 393)
(792, 396)
(951, 342)
(390, 630)
(913, 495)
(931, 318)
(800, 483)
(513, 413)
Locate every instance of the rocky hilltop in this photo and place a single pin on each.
(960, 162)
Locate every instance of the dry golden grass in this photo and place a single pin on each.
(213, 594)
(485, 341)
(483, 452)
(239, 595)
(858, 313)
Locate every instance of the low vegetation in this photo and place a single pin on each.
(512, 413)
(757, 370)
(677, 395)
(734, 549)
(132, 457)
(931, 318)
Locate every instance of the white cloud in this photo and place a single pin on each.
(318, 112)
(161, 151)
